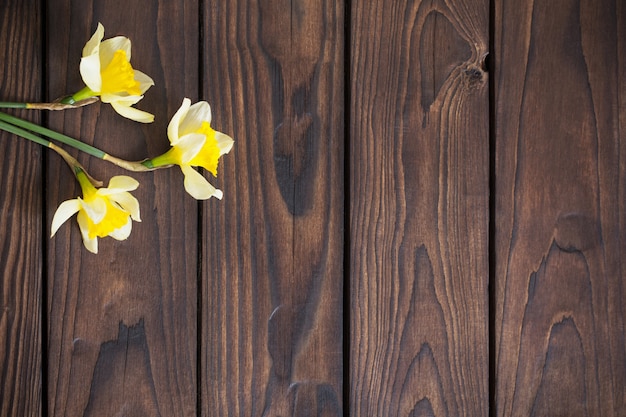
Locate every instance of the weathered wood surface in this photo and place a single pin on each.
(21, 239)
(272, 272)
(560, 187)
(419, 204)
(236, 307)
(122, 324)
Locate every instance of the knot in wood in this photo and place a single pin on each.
(473, 76)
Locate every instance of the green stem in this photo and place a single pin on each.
(24, 133)
(160, 161)
(81, 146)
(70, 160)
(10, 105)
(83, 94)
(12, 124)
(148, 163)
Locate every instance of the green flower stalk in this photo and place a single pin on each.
(12, 121)
(69, 159)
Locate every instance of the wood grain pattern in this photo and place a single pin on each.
(122, 324)
(272, 269)
(20, 217)
(237, 307)
(560, 209)
(419, 144)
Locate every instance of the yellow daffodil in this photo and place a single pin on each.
(195, 144)
(102, 211)
(106, 70)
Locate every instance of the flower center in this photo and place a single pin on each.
(209, 155)
(119, 76)
(114, 218)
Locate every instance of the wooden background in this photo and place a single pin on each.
(424, 213)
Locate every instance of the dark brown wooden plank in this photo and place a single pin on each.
(419, 146)
(21, 240)
(560, 208)
(122, 324)
(272, 264)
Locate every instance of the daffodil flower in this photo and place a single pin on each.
(106, 70)
(195, 144)
(102, 211)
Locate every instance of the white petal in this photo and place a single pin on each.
(90, 72)
(122, 100)
(198, 113)
(172, 128)
(123, 232)
(224, 142)
(197, 186)
(120, 183)
(190, 145)
(110, 46)
(95, 210)
(133, 113)
(92, 46)
(201, 110)
(145, 81)
(66, 210)
(128, 203)
(90, 244)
